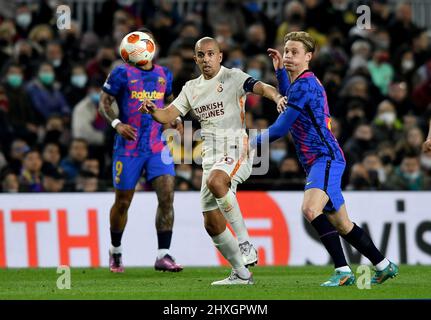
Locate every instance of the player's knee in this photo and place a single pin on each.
(122, 205)
(309, 212)
(217, 186)
(166, 207)
(343, 227)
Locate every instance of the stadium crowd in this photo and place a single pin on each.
(378, 83)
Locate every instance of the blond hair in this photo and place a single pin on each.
(304, 37)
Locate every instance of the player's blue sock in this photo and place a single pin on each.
(330, 239)
(164, 239)
(358, 238)
(116, 238)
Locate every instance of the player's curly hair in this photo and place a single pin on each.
(304, 37)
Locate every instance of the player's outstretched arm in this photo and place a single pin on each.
(164, 116)
(279, 128)
(426, 147)
(280, 70)
(271, 93)
(105, 109)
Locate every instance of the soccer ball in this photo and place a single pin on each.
(137, 48)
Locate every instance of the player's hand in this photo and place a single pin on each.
(126, 131)
(147, 106)
(426, 146)
(281, 104)
(177, 124)
(277, 59)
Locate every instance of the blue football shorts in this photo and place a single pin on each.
(127, 170)
(326, 174)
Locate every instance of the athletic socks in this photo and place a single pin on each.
(330, 239)
(116, 238)
(226, 243)
(164, 239)
(363, 243)
(229, 206)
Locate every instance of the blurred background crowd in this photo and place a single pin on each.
(378, 83)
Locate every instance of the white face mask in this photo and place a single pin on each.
(387, 117)
(277, 155)
(56, 62)
(381, 173)
(125, 3)
(407, 65)
(426, 162)
(412, 176)
(184, 174)
(23, 20)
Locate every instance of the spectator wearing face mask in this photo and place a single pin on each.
(354, 116)
(99, 67)
(408, 176)
(19, 113)
(45, 98)
(87, 123)
(292, 177)
(386, 125)
(386, 152)
(55, 56)
(184, 171)
(361, 142)
(376, 171)
(359, 178)
(23, 20)
(76, 88)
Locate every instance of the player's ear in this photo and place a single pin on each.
(221, 57)
(194, 58)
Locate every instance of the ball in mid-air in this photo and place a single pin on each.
(137, 48)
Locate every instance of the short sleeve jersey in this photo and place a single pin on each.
(130, 85)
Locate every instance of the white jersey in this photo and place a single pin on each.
(219, 105)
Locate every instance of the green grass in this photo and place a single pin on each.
(272, 283)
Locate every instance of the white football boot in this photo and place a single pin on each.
(234, 279)
(248, 253)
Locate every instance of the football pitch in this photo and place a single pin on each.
(272, 283)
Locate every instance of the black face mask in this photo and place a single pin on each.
(3, 43)
(43, 42)
(374, 175)
(105, 62)
(355, 120)
(360, 183)
(52, 136)
(290, 175)
(331, 86)
(386, 159)
(23, 59)
(364, 144)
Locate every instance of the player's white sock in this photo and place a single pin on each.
(116, 250)
(161, 253)
(229, 206)
(343, 269)
(382, 265)
(226, 243)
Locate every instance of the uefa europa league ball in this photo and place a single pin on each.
(137, 48)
